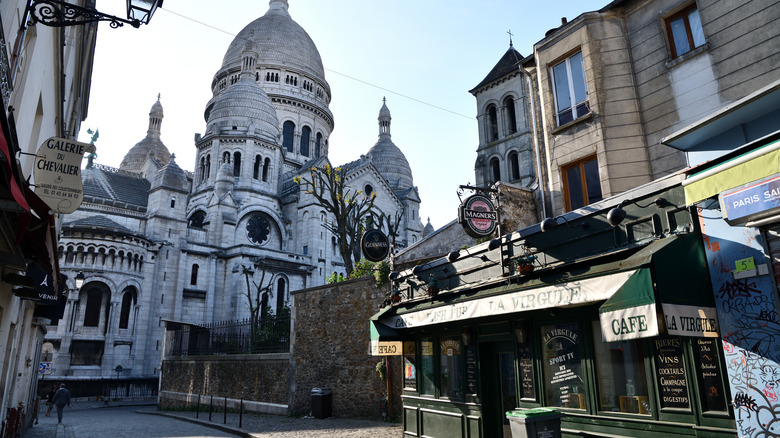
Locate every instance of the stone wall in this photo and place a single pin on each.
(331, 349)
(258, 377)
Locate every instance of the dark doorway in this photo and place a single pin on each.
(499, 385)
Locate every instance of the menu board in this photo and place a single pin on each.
(471, 370)
(562, 366)
(526, 365)
(670, 373)
(710, 379)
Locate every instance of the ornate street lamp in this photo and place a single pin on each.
(58, 13)
(80, 280)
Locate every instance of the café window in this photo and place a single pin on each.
(451, 368)
(581, 183)
(620, 373)
(427, 383)
(562, 365)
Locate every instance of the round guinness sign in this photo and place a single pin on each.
(478, 216)
(374, 245)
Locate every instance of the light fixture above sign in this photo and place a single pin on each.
(57, 13)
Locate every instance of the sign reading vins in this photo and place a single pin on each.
(670, 373)
(710, 381)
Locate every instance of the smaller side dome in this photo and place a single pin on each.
(151, 146)
(388, 159)
(428, 230)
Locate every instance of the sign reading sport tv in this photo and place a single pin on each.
(478, 216)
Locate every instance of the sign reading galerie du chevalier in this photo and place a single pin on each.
(478, 216)
(58, 173)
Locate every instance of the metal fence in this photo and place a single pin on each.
(271, 334)
(105, 388)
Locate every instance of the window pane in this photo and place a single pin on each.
(578, 79)
(680, 36)
(561, 78)
(451, 368)
(621, 377)
(574, 187)
(695, 22)
(426, 366)
(592, 181)
(562, 366)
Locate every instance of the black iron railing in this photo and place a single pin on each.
(270, 334)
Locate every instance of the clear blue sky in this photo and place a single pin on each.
(423, 56)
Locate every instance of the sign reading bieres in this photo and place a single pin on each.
(58, 173)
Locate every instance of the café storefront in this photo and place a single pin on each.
(613, 326)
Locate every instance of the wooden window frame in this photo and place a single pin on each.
(583, 180)
(682, 13)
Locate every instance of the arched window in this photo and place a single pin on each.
(288, 132)
(202, 169)
(226, 157)
(511, 117)
(94, 305)
(317, 143)
(124, 311)
(208, 166)
(495, 170)
(256, 169)
(194, 275)
(492, 123)
(237, 164)
(280, 294)
(266, 165)
(196, 220)
(305, 135)
(514, 166)
(173, 202)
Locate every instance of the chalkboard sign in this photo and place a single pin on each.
(471, 370)
(526, 364)
(710, 380)
(670, 373)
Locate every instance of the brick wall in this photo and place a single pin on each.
(331, 339)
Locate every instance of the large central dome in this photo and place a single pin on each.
(280, 41)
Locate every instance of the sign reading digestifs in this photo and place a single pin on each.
(58, 173)
(478, 216)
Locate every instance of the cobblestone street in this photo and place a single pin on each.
(93, 420)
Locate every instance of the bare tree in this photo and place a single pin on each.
(349, 208)
(254, 293)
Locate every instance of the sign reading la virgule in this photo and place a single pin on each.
(58, 173)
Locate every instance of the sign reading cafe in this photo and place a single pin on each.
(58, 173)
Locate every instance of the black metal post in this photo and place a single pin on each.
(197, 409)
(224, 419)
(211, 407)
(241, 413)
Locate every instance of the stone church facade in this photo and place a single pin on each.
(156, 242)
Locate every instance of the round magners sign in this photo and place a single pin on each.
(478, 216)
(375, 245)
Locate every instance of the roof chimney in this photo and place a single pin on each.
(563, 21)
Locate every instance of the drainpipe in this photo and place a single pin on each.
(536, 140)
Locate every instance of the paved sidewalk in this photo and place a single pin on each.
(124, 415)
(274, 426)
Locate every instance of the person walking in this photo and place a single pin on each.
(61, 399)
(50, 399)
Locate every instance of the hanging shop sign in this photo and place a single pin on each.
(375, 245)
(478, 216)
(58, 173)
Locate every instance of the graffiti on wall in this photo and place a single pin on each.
(747, 314)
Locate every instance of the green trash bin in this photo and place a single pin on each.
(535, 423)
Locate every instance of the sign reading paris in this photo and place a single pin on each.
(375, 245)
(58, 173)
(478, 216)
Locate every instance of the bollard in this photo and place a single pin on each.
(211, 407)
(224, 420)
(197, 409)
(241, 413)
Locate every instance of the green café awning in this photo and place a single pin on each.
(385, 340)
(672, 292)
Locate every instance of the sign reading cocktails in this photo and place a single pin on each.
(58, 173)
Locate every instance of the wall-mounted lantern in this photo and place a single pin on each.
(57, 13)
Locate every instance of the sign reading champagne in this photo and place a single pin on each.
(478, 216)
(58, 173)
